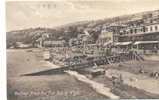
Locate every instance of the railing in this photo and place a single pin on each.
(147, 51)
(102, 60)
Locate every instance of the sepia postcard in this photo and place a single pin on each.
(82, 49)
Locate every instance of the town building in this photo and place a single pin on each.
(51, 43)
(105, 37)
(140, 35)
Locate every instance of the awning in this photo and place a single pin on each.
(122, 43)
(145, 42)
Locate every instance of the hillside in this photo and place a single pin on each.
(71, 30)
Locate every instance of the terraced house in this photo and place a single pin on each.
(141, 35)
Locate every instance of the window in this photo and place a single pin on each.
(131, 31)
(141, 30)
(156, 27)
(151, 29)
(144, 29)
(135, 30)
(150, 15)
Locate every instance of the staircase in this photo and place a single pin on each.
(138, 57)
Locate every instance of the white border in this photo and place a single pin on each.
(3, 87)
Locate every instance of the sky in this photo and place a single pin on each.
(22, 14)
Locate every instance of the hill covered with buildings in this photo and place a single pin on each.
(71, 31)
